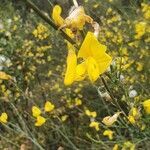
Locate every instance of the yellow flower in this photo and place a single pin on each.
(40, 121)
(109, 120)
(128, 145)
(146, 105)
(56, 15)
(134, 115)
(48, 106)
(3, 118)
(108, 133)
(78, 102)
(71, 66)
(94, 124)
(95, 60)
(140, 29)
(116, 147)
(64, 117)
(36, 111)
(131, 119)
(91, 113)
(4, 76)
(94, 54)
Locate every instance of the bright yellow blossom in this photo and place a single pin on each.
(40, 121)
(94, 124)
(108, 133)
(3, 118)
(146, 105)
(95, 60)
(36, 111)
(49, 106)
(94, 55)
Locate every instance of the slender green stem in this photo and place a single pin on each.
(112, 96)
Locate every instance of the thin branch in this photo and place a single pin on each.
(112, 96)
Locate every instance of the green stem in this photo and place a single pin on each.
(112, 96)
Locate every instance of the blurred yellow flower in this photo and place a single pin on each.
(140, 29)
(49, 106)
(94, 124)
(4, 76)
(134, 115)
(36, 111)
(92, 114)
(40, 121)
(56, 15)
(78, 102)
(146, 105)
(109, 120)
(128, 145)
(131, 119)
(64, 117)
(3, 118)
(116, 147)
(108, 133)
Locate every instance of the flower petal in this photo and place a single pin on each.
(80, 71)
(104, 62)
(91, 47)
(56, 15)
(71, 67)
(92, 69)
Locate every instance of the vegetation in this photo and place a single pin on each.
(74, 81)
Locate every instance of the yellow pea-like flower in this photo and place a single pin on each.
(108, 133)
(36, 111)
(92, 114)
(40, 121)
(94, 124)
(4, 76)
(110, 120)
(49, 106)
(3, 118)
(146, 105)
